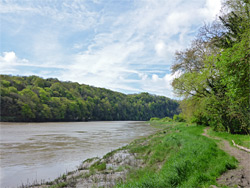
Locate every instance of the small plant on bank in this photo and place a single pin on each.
(59, 185)
(166, 119)
(100, 166)
(179, 118)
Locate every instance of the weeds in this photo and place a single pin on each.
(59, 185)
(100, 166)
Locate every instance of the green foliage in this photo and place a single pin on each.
(185, 157)
(154, 119)
(36, 99)
(234, 64)
(179, 118)
(98, 166)
(5, 83)
(243, 140)
(27, 112)
(215, 73)
(59, 185)
(166, 119)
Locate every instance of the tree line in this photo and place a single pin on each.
(36, 99)
(215, 72)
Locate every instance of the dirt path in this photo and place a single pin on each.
(239, 177)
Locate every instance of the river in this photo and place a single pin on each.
(43, 151)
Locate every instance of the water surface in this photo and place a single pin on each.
(43, 151)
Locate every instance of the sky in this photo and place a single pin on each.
(122, 45)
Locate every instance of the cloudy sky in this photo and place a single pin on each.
(123, 45)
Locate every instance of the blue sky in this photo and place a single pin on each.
(123, 45)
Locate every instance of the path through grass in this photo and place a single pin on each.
(243, 140)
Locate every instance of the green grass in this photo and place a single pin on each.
(90, 160)
(59, 185)
(178, 156)
(100, 166)
(161, 124)
(243, 140)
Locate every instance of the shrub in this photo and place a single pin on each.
(166, 119)
(154, 119)
(179, 118)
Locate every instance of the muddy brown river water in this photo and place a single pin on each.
(43, 151)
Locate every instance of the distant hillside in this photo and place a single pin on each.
(35, 99)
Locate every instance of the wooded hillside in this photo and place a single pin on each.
(35, 99)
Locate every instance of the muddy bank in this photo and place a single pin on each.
(97, 172)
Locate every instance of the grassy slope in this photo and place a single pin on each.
(178, 156)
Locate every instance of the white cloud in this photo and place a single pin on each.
(160, 48)
(77, 46)
(117, 50)
(104, 67)
(11, 64)
(10, 7)
(211, 9)
(8, 57)
(72, 14)
(160, 85)
(8, 61)
(154, 24)
(47, 49)
(155, 78)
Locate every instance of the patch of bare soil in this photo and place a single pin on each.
(239, 177)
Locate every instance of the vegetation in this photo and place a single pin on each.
(178, 156)
(242, 140)
(215, 72)
(176, 118)
(214, 82)
(98, 166)
(179, 118)
(35, 99)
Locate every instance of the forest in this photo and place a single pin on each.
(36, 99)
(214, 71)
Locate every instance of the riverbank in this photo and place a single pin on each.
(176, 156)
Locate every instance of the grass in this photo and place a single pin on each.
(243, 140)
(90, 160)
(59, 185)
(162, 124)
(100, 166)
(178, 156)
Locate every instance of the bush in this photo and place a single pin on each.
(166, 119)
(154, 119)
(179, 118)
